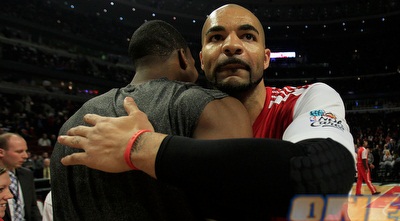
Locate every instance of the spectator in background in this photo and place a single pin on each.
(38, 172)
(5, 193)
(387, 160)
(371, 158)
(39, 168)
(48, 208)
(396, 168)
(44, 141)
(13, 154)
(29, 163)
(376, 163)
(391, 145)
(46, 168)
(53, 139)
(47, 85)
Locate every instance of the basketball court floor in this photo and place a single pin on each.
(382, 207)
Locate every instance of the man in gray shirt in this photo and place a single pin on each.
(163, 88)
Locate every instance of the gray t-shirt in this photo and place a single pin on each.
(80, 193)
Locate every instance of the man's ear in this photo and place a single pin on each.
(2, 152)
(201, 60)
(267, 56)
(183, 63)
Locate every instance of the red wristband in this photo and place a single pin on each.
(127, 154)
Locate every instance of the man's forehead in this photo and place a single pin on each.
(229, 25)
(231, 18)
(16, 141)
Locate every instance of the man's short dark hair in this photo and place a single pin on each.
(157, 38)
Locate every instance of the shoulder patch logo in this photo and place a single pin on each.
(321, 118)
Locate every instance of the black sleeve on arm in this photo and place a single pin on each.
(247, 174)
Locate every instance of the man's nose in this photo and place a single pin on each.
(232, 45)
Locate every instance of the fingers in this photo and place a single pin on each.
(79, 131)
(74, 159)
(133, 110)
(72, 141)
(130, 105)
(92, 119)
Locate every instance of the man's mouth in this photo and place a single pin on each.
(231, 67)
(232, 64)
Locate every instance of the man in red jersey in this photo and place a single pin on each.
(363, 169)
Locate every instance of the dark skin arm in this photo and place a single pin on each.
(105, 150)
(365, 162)
(224, 118)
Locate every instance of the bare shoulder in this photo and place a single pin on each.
(224, 118)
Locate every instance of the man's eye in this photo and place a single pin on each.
(215, 38)
(249, 37)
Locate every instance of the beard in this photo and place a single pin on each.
(233, 89)
(230, 88)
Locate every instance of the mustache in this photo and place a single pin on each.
(232, 61)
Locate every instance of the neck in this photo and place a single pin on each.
(8, 168)
(12, 171)
(155, 67)
(145, 76)
(253, 100)
(151, 72)
(140, 78)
